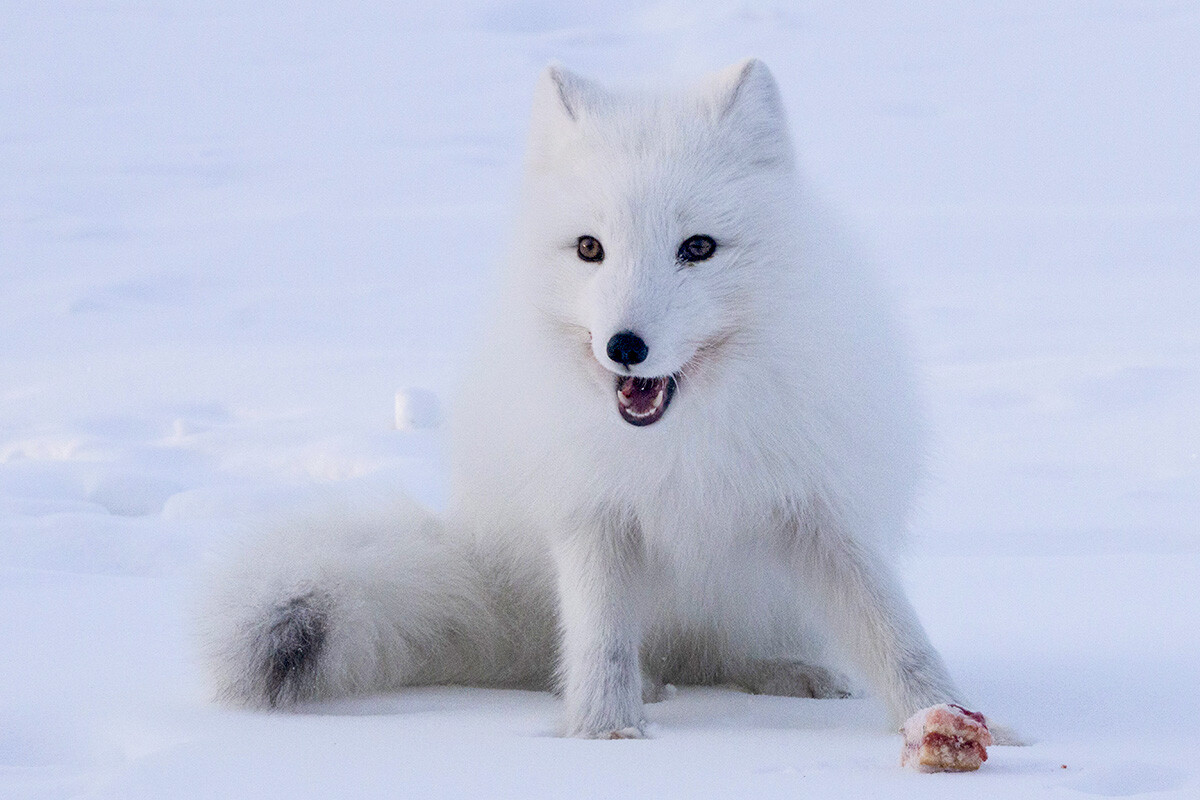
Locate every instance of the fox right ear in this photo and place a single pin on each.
(561, 101)
(561, 92)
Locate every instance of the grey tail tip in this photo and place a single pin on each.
(294, 641)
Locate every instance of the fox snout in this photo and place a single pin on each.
(627, 348)
(640, 401)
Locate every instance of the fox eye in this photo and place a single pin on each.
(696, 248)
(589, 248)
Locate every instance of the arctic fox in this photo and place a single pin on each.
(687, 451)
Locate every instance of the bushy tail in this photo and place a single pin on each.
(351, 603)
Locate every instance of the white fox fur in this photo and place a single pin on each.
(731, 540)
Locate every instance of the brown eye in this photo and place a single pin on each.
(589, 248)
(696, 248)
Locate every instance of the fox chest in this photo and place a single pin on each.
(723, 522)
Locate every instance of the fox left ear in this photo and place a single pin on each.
(747, 89)
(746, 98)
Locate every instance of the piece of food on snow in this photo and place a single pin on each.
(945, 738)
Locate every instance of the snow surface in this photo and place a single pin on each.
(231, 232)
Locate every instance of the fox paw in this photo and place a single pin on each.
(637, 731)
(632, 732)
(793, 678)
(655, 691)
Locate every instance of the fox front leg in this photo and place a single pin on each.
(601, 589)
(873, 622)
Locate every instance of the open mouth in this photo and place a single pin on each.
(643, 401)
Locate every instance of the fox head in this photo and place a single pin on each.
(646, 219)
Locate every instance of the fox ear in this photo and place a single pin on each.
(744, 99)
(561, 92)
(747, 89)
(560, 101)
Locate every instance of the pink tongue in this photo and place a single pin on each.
(640, 392)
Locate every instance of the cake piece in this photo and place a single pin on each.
(945, 738)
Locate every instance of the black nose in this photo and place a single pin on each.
(627, 348)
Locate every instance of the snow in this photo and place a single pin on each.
(241, 244)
